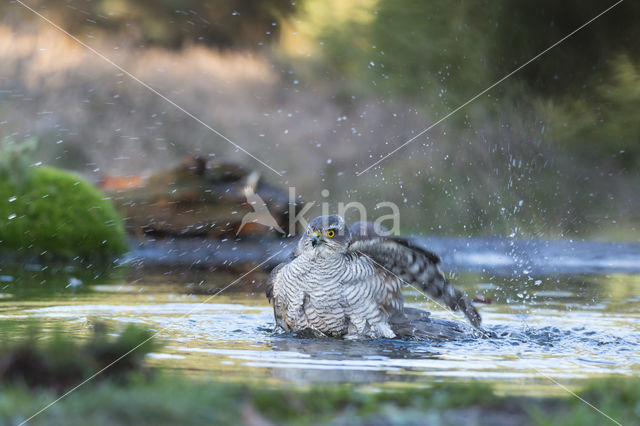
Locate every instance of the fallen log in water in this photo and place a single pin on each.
(199, 197)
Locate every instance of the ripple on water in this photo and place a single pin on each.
(238, 340)
(518, 352)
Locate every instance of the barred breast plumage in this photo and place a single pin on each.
(339, 284)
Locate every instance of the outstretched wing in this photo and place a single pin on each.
(416, 266)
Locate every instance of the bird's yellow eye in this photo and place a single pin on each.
(308, 232)
(330, 233)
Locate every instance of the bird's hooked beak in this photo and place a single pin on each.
(315, 238)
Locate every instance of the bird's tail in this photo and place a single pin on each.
(416, 266)
(439, 288)
(430, 279)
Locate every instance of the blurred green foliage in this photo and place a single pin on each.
(59, 362)
(51, 211)
(551, 151)
(222, 23)
(441, 53)
(175, 399)
(603, 123)
(452, 49)
(437, 53)
(15, 161)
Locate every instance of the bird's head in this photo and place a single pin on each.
(326, 235)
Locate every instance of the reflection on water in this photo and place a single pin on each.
(566, 327)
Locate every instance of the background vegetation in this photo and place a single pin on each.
(321, 89)
(52, 212)
(172, 400)
(585, 90)
(170, 23)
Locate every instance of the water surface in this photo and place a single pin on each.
(562, 327)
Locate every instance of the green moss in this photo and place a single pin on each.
(58, 213)
(58, 362)
(174, 399)
(158, 401)
(615, 397)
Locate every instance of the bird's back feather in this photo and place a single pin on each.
(418, 267)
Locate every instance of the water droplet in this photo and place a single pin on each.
(74, 282)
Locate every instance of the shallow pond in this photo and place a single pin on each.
(552, 327)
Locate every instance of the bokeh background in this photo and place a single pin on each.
(320, 90)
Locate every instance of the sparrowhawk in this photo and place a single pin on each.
(347, 282)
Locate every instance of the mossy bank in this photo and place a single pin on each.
(51, 212)
(173, 399)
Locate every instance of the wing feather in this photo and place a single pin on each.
(268, 287)
(278, 314)
(416, 266)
